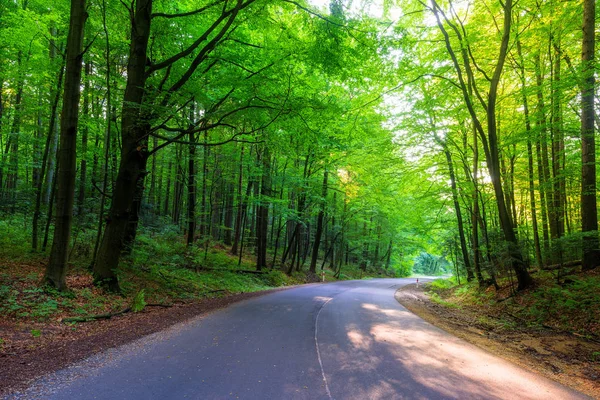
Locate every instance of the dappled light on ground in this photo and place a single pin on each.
(392, 354)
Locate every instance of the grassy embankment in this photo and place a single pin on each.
(571, 305)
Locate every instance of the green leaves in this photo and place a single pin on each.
(139, 302)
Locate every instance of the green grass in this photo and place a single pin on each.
(437, 299)
(441, 284)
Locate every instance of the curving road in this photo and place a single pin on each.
(345, 340)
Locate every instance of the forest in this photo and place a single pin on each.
(361, 138)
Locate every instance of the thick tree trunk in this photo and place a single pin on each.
(134, 154)
(589, 211)
(57, 267)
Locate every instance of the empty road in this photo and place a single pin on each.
(344, 340)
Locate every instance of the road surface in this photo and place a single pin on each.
(344, 340)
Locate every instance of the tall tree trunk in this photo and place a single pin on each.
(475, 216)
(12, 146)
(228, 221)
(203, 208)
(57, 267)
(319, 232)
(168, 188)
(457, 210)
(37, 149)
(589, 212)
(191, 214)
(536, 236)
(84, 140)
(110, 119)
(238, 218)
(54, 128)
(216, 191)
(263, 212)
(542, 156)
(134, 152)
(557, 210)
(178, 189)
(48, 149)
(152, 194)
(489, 141)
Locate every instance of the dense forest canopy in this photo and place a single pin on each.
(436, 136)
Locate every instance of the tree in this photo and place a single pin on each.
(488, 136)
(589, 212)
(57, 266)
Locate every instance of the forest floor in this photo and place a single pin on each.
(570, 358)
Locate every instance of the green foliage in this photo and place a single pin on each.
(428, 264)
(559, 303)
(437, 299)
(36, 333)
(139, 302)
(14, 238)
(441, 284)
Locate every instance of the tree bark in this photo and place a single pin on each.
(134, 152)
(191, 214)
(536, 236)
(263, 212)
(319, 232)
(238, 219)
(84, 141)
(589, 211)
(557, 209)
(542, 156)
(457, 210)
(48, 148)
(489, 141)
(57, 267)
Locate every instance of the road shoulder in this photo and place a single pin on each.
(561, 357)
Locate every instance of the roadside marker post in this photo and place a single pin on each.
(323, 275)
(417, 282)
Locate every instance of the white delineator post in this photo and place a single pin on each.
(417, 282)
(323, 275)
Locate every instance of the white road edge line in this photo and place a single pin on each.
(318, 351)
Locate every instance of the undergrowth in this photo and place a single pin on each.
(160, 270)
(572, 306)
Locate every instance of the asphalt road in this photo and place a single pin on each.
(345, 340)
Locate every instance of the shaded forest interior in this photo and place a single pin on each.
(299, 136)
